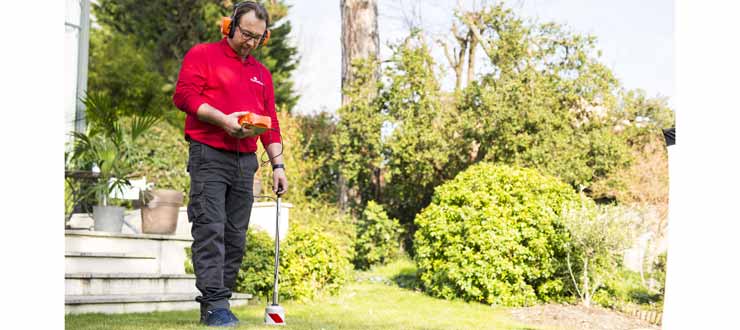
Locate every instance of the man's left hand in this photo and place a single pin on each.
(248, 132)
(279, 180)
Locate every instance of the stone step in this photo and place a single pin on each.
(110, 262)
(263, 217)
(168, 251)
(138, 303)
(127, 283)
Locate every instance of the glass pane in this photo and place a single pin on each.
(71, 38)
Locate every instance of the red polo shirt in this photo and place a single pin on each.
(213, 73)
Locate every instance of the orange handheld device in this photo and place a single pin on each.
(257, 122)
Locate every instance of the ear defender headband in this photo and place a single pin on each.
(228, 27)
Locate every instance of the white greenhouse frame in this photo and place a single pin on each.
(77, 40)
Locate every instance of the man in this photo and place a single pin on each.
(218, 83)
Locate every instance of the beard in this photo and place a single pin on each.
(245, 49)
(241, 48)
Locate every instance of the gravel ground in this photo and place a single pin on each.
(578, 317)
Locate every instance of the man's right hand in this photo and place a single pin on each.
(231, 125)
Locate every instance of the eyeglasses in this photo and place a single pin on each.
(249, 35)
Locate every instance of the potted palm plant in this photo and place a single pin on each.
(109, 148)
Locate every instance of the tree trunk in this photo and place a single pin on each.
(586, 289)
(360, 37)
(342, 192)
(456, 62)
(360, 40)
(473, 44)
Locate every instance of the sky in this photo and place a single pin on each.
(635, 37)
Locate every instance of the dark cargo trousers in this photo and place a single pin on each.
(220, 205)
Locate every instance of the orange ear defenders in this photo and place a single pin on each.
(228, 28)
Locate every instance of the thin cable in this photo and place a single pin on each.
(265, 162)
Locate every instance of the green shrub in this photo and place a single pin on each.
(165, 158)
(312, 264)
(617, 289)
(328, 219)
(315, 257)
(624, 288)
(257, 268)
(598, 236)
(69, 198)
(377, 239)
(492, 235)
(127, 73)
(189, 269)
(658, 273)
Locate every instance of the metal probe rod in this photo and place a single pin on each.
(277, 253)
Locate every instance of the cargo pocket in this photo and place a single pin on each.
(196, 207)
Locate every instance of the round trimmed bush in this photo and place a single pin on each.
(257, 268)
(312, 264)
(492, 235)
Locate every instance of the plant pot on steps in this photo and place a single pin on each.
(160, 211)
(108, 218)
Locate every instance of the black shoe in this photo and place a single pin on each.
(220, 317)
(233, 317)
(204, 311)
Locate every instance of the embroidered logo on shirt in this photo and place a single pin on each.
(255, 80)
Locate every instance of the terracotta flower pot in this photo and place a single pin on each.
(159, 214)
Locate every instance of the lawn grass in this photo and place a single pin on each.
(373, 300)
